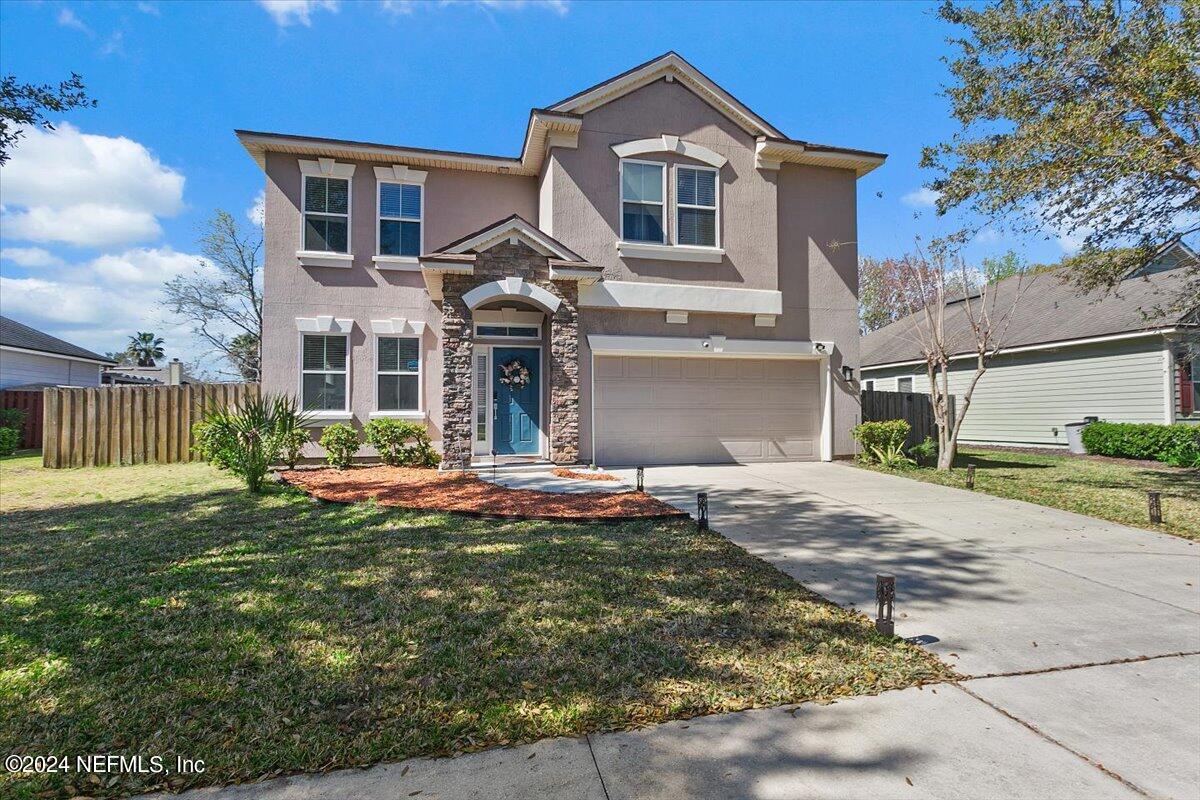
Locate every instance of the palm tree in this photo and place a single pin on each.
(146, 347)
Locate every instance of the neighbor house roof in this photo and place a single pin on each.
(22, 337)
(1050, 309)
(560, 125)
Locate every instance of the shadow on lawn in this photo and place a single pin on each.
(274, 634)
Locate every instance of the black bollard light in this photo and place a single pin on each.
(702, 511)
(641, 478)
(1155, 507)
(970, 476)
(885, 601)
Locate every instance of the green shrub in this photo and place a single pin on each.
(401, 443)
(882, 437)
(12, 418)
(341, 443)
(892, 457)
(1178, 445)
(292, 442)
(248, 439)
(925, 453)
(10, 439)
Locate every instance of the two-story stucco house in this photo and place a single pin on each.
(661, 276)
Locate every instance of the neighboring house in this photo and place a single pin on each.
(660, 276)
(32, 359)
(1065, 356)
(170, 374)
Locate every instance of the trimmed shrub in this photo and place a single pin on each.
(292, 442)
(341, 443)
(12, 418)
(10, 438)
(881, 437)
(925, 453)
(401, 443)
(248, 439)
(1178, 445)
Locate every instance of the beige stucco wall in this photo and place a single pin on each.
(456, 203)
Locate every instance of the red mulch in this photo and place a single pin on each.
(562, 472)
(428, 489)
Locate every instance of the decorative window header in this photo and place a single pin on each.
(670, 144)
(326, 168)
(397, 326)
(324, 324)
(400, 174)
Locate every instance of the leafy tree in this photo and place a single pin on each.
(994, 270)
(26, 105)
(230, 299)
(145, 347)
(1080, 118)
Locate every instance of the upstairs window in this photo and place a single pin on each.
(323, 373)
(400, 209)
(326, 214)
(696, 206)
(398, 379)
(643, 192)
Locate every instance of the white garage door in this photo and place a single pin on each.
(705, 410)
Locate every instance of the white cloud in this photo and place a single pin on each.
(115, 45)
(98, 304)
(257, 213)
(989, 236)
(86, 190)
(149, 8)
(296, 12)
(30, 257)
(921, 198)
(67, 19)
(398, 7)
(559, 7)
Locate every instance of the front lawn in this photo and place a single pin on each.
(1109, 490)
(160, 610)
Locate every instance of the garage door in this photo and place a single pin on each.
(705, 410)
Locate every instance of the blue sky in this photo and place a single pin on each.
(97, 215)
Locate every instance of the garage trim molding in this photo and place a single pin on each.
(680, 297)
(720, 346)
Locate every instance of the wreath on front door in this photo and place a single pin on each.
(515, 375)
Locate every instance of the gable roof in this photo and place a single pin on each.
(675, 65)
(23, 337)
(513, 225)
(1050, 310)
(561, 122)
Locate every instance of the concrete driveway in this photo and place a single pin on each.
(1082, 640)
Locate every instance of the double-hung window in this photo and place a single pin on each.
(696, 206)
(324, 373)
(326, 214)
(400, 219)
(398, 373)
(643, 190)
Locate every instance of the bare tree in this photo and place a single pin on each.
(979, 316)
(225, 309)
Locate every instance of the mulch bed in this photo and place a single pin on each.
(562, 472)
(431, 490)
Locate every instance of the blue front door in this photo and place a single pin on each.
(516, 394)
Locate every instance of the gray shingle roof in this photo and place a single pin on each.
(14, 334)
(1050, 309)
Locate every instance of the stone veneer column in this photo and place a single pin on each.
(564, 376)
(457, 349)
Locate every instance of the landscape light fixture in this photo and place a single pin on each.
(885, 602)
(702, 510)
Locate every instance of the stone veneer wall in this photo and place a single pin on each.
(507, 260)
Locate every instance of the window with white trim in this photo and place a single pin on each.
(505, 331)
(326, 214)
(398, 373)
(904, 384)
(324, 371)
(400, 211)
(643, 200)
(696, 206)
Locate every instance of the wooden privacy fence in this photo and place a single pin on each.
(916, 409)
(29, 401)
(129, 424)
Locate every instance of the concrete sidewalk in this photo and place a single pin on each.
(1081, 637)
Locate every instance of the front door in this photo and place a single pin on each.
(516, 400)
